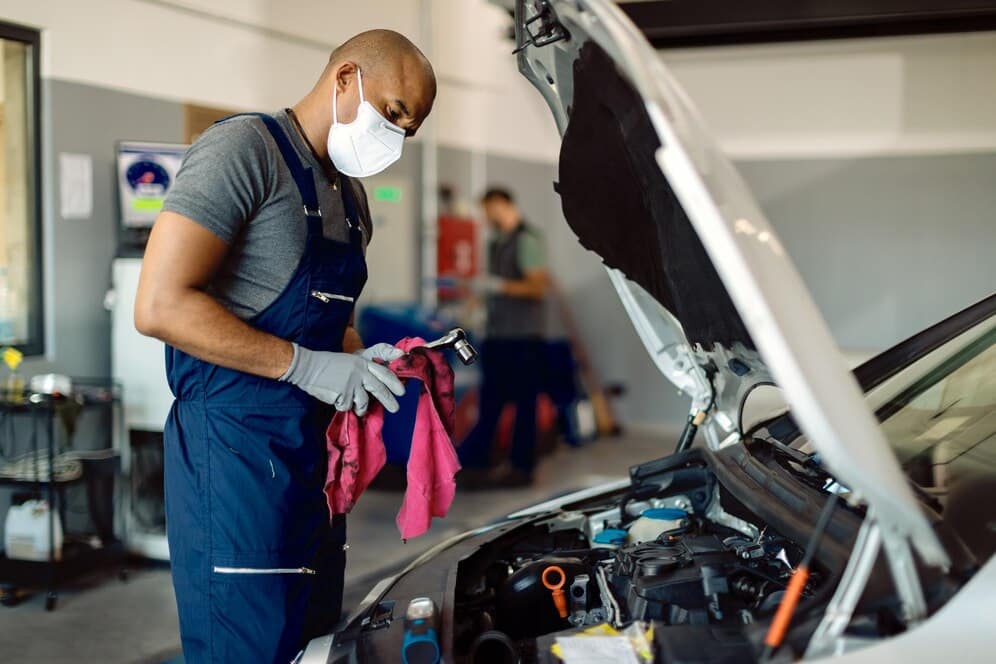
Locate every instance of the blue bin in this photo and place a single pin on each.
(399, 426)
(389, 323)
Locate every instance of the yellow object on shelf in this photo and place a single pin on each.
(12, 358)
(14, 387)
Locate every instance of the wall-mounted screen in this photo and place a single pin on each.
(146, 172)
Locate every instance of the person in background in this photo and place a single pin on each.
(514, 291)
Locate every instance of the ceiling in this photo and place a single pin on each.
(683, 23)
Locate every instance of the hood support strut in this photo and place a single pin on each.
(829, 639)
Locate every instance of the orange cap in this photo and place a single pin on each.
(556, 588)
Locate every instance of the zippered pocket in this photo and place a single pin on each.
(263, 570)
(328, 297)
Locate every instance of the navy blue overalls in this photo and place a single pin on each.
(257, 567)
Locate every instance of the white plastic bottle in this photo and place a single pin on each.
(27, 535)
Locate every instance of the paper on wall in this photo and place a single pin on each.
(75, 185)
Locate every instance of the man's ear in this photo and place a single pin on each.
(344, 75)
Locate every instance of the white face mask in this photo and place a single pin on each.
(368, 144)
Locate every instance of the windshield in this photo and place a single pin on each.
(942, 426)
(938, 414)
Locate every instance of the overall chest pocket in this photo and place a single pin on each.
(326, 297)
(327, 313)
(336, 281)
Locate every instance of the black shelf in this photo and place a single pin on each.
(17, 481)
(78, 557)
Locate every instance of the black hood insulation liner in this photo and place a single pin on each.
(621, 207)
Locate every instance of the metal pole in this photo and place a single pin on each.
(51, 598)
(430, 181)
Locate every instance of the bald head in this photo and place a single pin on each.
(375, 49)
(397, 77)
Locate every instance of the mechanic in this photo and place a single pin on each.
(515, 293)
(250, 277)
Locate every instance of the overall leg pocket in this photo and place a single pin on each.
(249, 571)
(259, 607)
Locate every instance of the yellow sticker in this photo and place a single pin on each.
(602, 629)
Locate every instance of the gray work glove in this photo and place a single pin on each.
(385, 352)
(346, 380)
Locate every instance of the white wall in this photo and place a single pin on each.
(903, 95)
(265, 54)
(484, 104)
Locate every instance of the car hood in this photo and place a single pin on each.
(704, 277)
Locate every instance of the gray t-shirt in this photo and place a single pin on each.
(510, 256)
(234, 182)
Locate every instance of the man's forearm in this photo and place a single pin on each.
(524, 288)
(199, 325)
(351, 340)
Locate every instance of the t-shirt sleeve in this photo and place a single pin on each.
(223, 178)
(532, 253)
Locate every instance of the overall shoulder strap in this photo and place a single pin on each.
(303, 176)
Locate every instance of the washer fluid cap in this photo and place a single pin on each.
(610, 536)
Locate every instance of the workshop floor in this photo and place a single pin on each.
(104, 620)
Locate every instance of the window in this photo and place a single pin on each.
(20, 199)
(943, 429)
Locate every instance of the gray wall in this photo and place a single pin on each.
(456, 168)
(78, 252)
(887, 245)
(88, 120)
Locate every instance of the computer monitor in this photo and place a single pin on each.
(146, 171)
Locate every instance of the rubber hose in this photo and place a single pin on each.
(493, 647)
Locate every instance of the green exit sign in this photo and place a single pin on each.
(387, 194)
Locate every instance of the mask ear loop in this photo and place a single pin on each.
(359, 80)
(335, 92)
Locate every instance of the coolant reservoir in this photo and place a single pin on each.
(653, 522)
(26, 532)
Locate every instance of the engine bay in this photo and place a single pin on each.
(664, 554)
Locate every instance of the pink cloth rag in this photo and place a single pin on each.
(357, 453)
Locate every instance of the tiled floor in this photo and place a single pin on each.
(104, 620)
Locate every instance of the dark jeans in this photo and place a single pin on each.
(510, 374)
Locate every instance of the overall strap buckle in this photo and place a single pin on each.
(351, 208)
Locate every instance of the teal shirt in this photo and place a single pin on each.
(531, 252)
